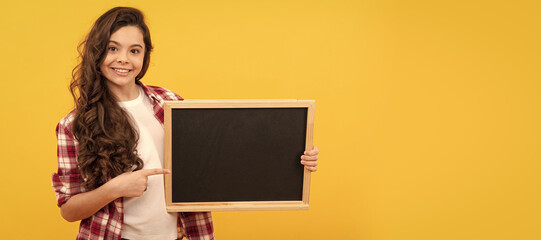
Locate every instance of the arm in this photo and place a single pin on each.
(130, 184)
(84, 205)
(73, 199)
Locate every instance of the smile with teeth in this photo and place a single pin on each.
(121, 70)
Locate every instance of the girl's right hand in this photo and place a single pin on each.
(134, 184)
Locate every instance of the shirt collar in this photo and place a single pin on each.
(149, 92)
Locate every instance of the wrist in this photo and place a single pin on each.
(110, 190)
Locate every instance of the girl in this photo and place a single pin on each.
(110, 147)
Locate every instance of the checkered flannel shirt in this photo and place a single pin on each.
(107, 222)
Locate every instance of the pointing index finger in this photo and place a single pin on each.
(155, 171)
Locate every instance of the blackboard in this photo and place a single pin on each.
(237, 155)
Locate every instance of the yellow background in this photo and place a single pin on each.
(427, 113)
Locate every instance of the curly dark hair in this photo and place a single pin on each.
(107, 139)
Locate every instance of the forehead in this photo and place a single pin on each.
(128, 35)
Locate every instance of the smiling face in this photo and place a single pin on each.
(124, 61)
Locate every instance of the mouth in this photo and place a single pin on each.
(121, 70)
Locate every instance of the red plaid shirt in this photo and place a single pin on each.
(107, 222)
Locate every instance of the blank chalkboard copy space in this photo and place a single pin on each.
(237, 155)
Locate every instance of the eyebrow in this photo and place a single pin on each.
(134, 45)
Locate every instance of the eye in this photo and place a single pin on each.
(135, 51)
(112, 48)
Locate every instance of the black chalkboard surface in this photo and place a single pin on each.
(237, 155)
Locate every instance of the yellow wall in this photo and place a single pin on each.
(427, 112)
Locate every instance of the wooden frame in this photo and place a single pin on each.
(235, 205)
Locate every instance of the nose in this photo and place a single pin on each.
(122, 57)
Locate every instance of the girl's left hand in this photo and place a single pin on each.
(309, 159)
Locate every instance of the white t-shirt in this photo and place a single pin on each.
(145, 217)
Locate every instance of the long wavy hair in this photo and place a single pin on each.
(107, 139)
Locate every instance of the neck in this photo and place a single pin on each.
(125, 93)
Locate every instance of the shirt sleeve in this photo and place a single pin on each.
(67, 181)
(197, 225)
